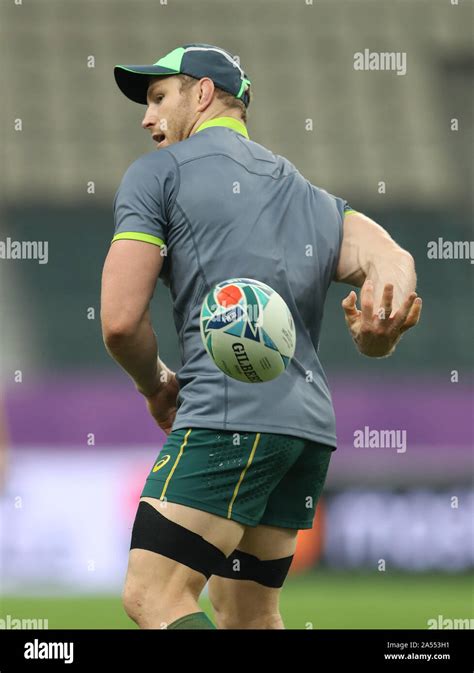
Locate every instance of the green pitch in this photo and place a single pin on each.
(319, 600)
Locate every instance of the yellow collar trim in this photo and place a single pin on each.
(229, 122)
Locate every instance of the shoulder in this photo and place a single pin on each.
(329, 202)
(158, 163)
(155, 174)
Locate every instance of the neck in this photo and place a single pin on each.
(233, 114)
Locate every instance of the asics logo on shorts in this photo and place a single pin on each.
(161, 463)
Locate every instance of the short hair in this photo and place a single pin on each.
(229, 100)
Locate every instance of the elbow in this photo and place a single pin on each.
(122, 325)
(116, 333)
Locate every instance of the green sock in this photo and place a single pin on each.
(198, 620)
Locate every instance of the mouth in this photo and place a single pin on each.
(159, 138)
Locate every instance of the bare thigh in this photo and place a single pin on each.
(159, 589)
(244, 603)
(220, 532)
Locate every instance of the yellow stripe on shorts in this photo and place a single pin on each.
(236, 489)
(185, 441)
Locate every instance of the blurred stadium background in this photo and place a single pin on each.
(76, 441)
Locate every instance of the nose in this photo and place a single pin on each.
(149, 119)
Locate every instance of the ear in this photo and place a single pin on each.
(205, 93)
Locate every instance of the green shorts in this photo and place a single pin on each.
(251, 477)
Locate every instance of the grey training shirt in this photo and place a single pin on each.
(226, 207)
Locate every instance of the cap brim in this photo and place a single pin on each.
(133, 80)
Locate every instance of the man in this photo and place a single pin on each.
(244, 464)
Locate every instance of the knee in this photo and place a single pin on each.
(135, 602)
(243, 609)
(153, 605)
(145, 604)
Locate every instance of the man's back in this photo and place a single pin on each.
(244, 464)
(227, 207)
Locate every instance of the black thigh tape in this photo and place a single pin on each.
(154, 532)
(269, 573)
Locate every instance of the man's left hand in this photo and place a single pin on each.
(162, 404)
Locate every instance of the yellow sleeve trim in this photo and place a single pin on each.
(348, 212)
(134, 236)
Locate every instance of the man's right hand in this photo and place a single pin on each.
(376, 335)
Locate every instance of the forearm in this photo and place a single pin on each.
(136, 351)
(369, 252)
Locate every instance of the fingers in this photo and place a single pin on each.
(402, 314)
(349, 304)
(386, 304)
(413, 316)
(367, 302)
